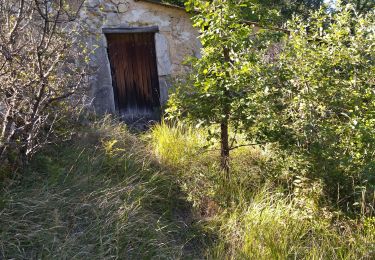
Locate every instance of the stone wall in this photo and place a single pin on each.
(175, 41)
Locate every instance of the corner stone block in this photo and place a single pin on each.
(162, 53)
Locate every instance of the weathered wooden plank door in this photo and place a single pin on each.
(134, 75)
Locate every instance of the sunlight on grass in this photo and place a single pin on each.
(272, 226)
(177, 144)
(113, 194)
(101, 197)
(272, 214)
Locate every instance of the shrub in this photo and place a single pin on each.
(322, 102)
(39, 73)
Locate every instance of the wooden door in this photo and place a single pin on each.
(134, 75)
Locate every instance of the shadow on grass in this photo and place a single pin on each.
(100, 196)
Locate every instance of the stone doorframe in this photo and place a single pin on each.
(101, 79)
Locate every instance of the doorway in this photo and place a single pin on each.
(135, 81)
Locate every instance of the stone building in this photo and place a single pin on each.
(140, 46)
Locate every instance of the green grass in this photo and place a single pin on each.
(160, 195)
(273, 227)
(272, 212)
(101, 196)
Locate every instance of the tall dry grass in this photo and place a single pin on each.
(101, 196)
(272, 212)
(112, 194)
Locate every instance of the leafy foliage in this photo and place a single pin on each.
(175, 2)
(323, 100)
(312, 93)
(274, 213)
(221, 78)
(281, 10)
(258, 10)
(360, 6)
(221, 28)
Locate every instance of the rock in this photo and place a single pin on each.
(162, 53)
(122, 8)
(163, 87)
(112, 19)
(93, 3)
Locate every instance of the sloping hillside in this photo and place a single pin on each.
(100, 196)
(111, 194)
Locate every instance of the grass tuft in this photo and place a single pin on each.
(102, 196)
(112, 194)
(273, 212)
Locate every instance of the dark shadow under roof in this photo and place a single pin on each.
(163, 4)
(127, 29)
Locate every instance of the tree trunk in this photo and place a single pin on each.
(224, 134)
(5, 134)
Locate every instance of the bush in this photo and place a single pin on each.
(322, 103)
(39, 74)
(273, 211)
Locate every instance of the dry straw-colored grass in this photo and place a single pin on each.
(112, 194)
(100, 197)
(265, 211)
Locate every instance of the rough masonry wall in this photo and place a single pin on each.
(176, 40)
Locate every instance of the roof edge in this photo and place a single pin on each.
(127, 29)
(162, 4)
(245, 22)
